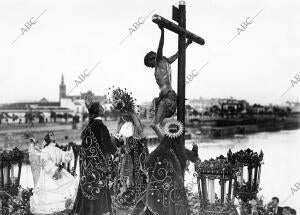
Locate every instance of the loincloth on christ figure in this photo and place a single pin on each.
(169, 97)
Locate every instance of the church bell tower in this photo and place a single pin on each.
(62, 88)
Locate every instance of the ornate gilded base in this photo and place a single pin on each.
(219, 211)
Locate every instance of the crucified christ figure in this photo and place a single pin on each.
(165, 105)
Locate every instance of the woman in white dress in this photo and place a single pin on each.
(56, 188)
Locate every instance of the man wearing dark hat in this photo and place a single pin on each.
(93, 197)
(273, 206)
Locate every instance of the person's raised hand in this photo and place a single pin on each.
(161, 27)
(189, 41)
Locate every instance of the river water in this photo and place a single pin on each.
(280, 171)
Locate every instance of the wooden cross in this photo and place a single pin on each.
(179, 15)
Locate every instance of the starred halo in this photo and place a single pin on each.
(122, 100)
(173, 128)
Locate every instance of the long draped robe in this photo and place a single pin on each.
(165, 193)
(131, 179)
(53, 195)
(93, 195)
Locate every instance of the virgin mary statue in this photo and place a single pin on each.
(56, 188)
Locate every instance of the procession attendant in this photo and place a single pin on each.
(131, 179)
(93, 196)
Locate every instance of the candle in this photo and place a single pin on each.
(5, 173)
(241, 177)
(211, 191)
(12, 174)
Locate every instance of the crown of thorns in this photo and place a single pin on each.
(122, 100)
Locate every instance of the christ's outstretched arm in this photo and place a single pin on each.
(159, 55)
(175, 56)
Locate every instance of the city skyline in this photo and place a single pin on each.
(76, 95)
(257, 64)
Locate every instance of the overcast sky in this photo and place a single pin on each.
(72, 36)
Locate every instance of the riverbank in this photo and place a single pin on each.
(18, 135)
(226, 128)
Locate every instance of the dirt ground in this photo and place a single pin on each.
(15, 136)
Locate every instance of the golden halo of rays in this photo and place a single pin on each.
(168, 126)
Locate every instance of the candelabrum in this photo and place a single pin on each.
(247, 165)
(215, 178)
(10, 173)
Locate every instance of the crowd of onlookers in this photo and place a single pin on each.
(274, 207)
(257, 207)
